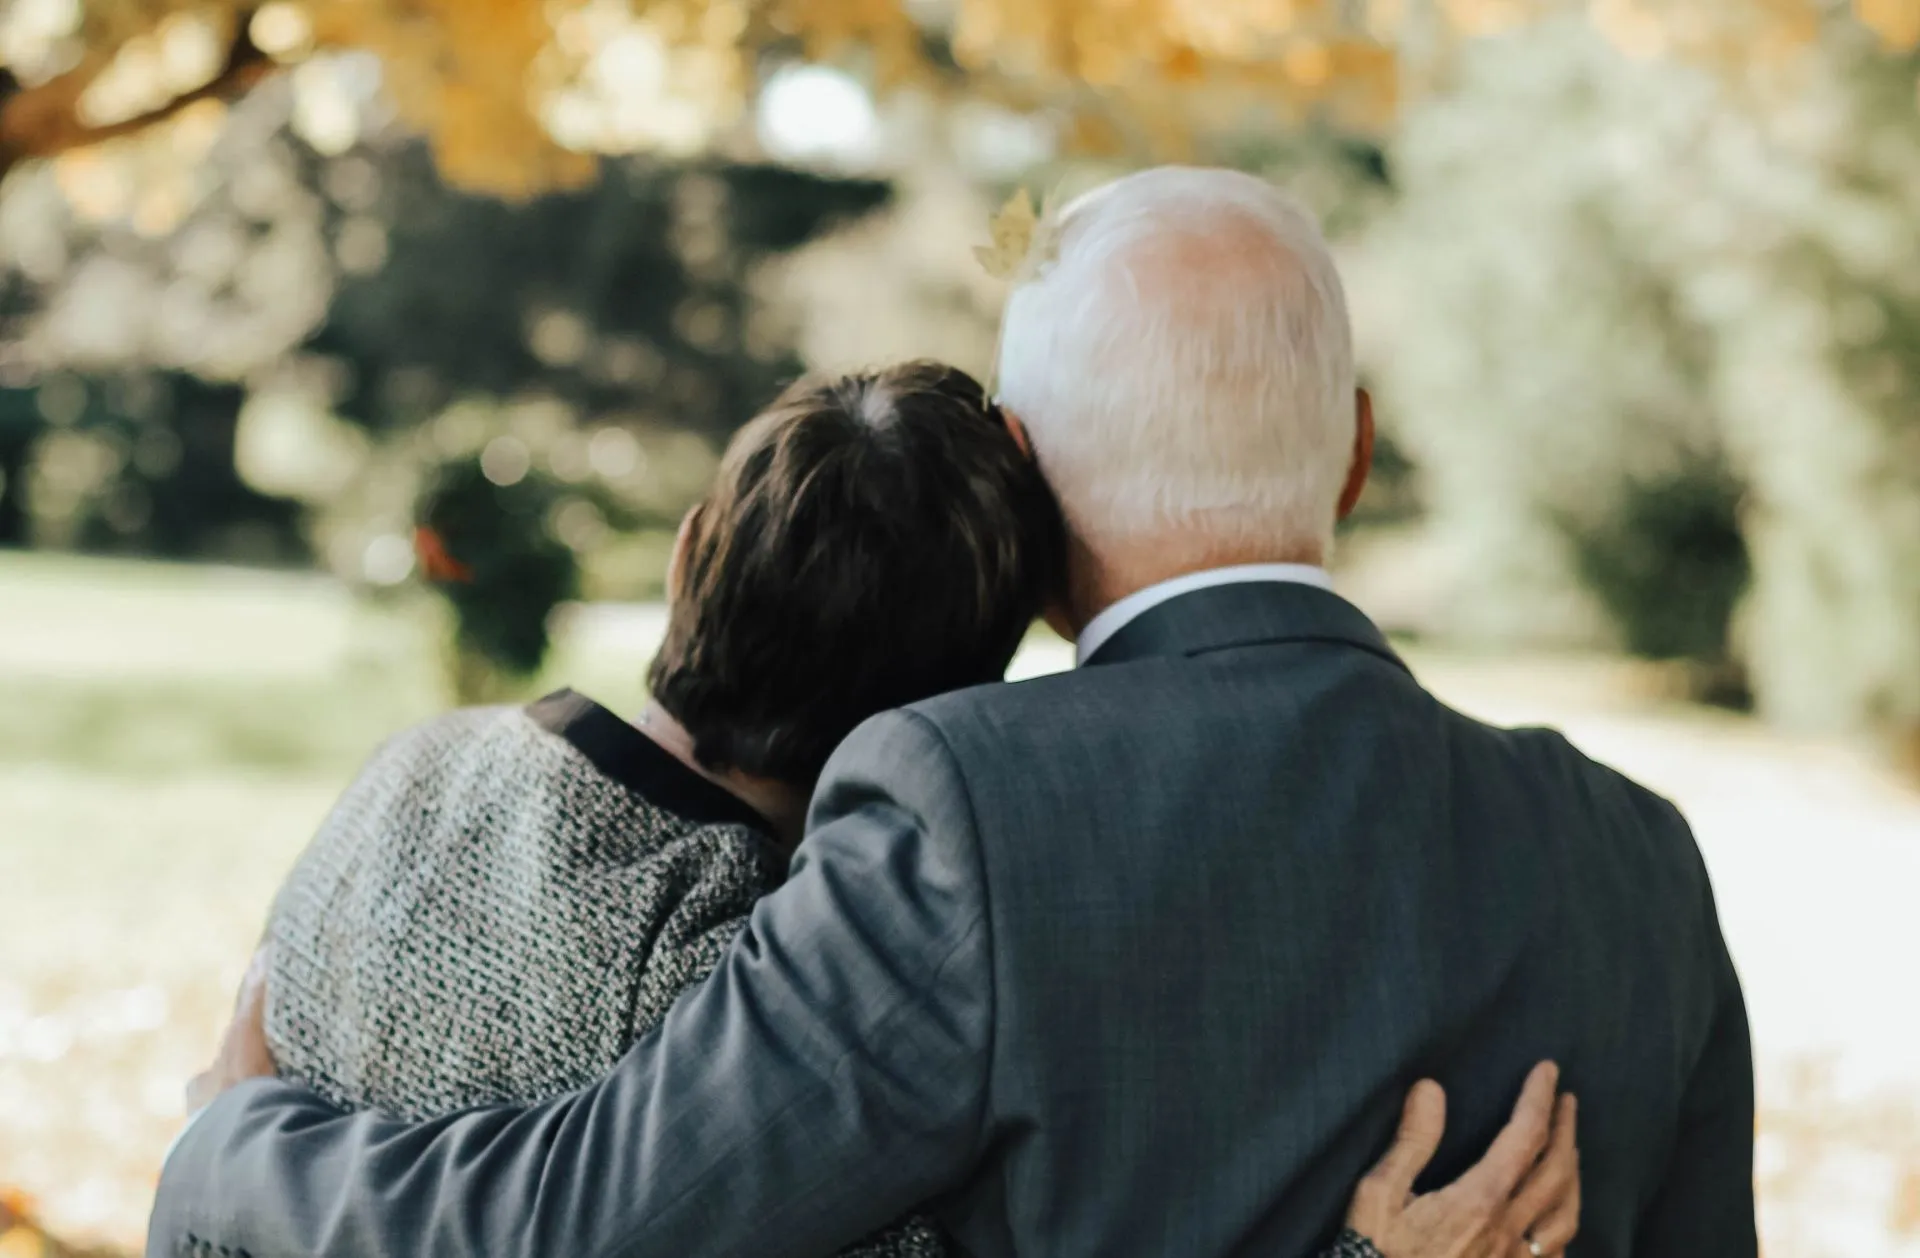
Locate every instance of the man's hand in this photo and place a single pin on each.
(1522, 1200)
(243, 1051)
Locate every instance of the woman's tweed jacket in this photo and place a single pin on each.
(499, 905)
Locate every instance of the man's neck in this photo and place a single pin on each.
(1097, 578)
(781, 803)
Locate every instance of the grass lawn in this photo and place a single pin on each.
(170, 736)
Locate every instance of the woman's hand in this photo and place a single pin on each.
(243, 1051)
(1522, 1200)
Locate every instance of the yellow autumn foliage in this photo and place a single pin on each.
(22, 1237)
(504, 88)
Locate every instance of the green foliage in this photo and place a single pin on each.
(1540, 364)
(1690, 315)
(630, 299)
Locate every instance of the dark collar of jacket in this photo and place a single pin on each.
(1251, 613)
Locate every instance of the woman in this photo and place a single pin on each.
(506, 898)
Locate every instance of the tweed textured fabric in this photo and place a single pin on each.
(1350, 1244)
(503, 900)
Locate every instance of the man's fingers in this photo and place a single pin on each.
(1555, 1178)
(1423, 1120)
(1519, 1144)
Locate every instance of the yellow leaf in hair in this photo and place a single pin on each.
(1013, 230)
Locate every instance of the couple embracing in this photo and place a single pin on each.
(845, 946)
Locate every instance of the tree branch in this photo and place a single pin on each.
(44, 121)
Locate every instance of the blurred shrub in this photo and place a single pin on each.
(486, 539)
(1667, 564)
(1655, 326)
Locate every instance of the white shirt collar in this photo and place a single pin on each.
(1116, 617)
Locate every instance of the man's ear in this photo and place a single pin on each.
(1362, 452)
(1018, 429)
(682, 542)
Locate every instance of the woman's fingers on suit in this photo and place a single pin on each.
(243, 1052)
(1520, 1184)
(1546, 1207)
(1555, 1232)
(1495, 1178)
(1423, 1120)
(1380, 1201)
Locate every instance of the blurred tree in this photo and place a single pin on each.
(609, 338)
(1811, 282)
(21, 424)
(1694, 350)
(352, 298)
(1584, 376)
(168, 485)
(20, 427)
(136, 463)
(631, 297)
(515, 93)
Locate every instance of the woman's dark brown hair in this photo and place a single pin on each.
(872, 540)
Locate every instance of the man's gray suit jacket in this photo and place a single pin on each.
(1135, 960)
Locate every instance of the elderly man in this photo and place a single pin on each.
(1137, 959)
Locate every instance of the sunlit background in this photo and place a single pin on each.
(357, 358)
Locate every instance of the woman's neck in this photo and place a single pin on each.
(781, 803)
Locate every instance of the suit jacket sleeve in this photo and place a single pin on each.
(1705, 1204)
(830, 1074)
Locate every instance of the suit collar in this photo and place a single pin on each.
(1115, 618)
(1226, 616)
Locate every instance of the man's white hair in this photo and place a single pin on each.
(1184, 363)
